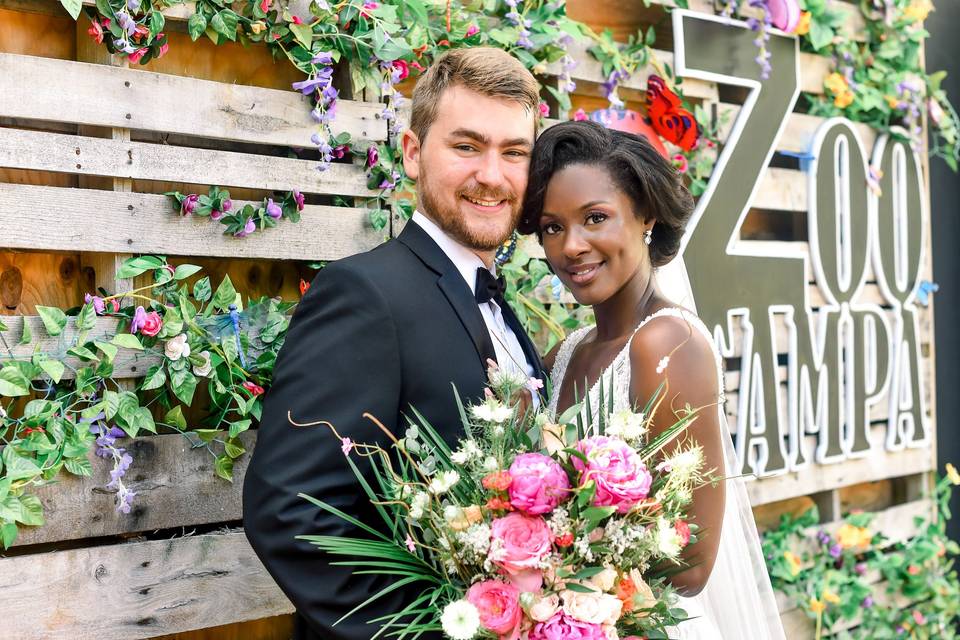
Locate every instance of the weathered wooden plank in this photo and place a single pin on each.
(91, 220)
(797, 135)
(44, 151)
(175, 485)
(879, 466)
(137, 590)
(127, 364)
(155, 101)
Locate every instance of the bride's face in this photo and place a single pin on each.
(591, 235)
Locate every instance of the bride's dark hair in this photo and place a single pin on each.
(636, 167)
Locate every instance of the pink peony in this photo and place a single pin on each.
(519, 544)
(539, 484)
(562, 627)
(499, 605)
(621, 478)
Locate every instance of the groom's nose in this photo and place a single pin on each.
(490, 170)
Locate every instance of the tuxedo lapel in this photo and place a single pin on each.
(452, 286)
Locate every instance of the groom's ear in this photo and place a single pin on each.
(410, 144)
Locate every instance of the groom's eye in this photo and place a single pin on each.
(464, 147)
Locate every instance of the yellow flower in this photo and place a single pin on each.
(953, 474)
(831, 597)
(918, 10)
(836, 83)
(850, 536)
(803, 27)
(817, 606)
(793, 561)
(891, 101)
(843, 99)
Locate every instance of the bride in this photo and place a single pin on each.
(608, 210)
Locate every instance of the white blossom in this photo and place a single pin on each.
(203, 370)
(177, 347)
(662, 365)
(419, 505)
(669, 541)
(491, 411)
(626, 424)
(460, 620)
(468, 451)
(443, 481)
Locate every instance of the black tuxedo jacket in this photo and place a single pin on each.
(378, 332)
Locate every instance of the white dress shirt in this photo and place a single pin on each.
(509, 353)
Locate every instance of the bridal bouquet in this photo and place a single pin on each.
(532, 528)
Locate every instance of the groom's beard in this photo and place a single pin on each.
(448, 216)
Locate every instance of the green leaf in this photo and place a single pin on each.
(225, 295)
(184, 383)
(78, 466)
(223, 467)
(135, 266)
(87, 318)
(17, 466)
(53, 368)
(73, 7)
(196, 25)
(82, 352)
(4, 488)
(157, 22)
(234, 449)
(27, 335)
(12, 382)
(238, 427)
(142, 419)
(156, 377)
(201, 290)
(31, 511)
(185, 271)
(303, 33)
(172, 323)
(8, 533)
(109, 350)
(820, 35)
(225, 23)
(127, 341)
(175, 417)
(579, 588)
(54, 319)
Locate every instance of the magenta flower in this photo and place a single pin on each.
(544, 109)
(539, 484)
(299, 198)
(189, 204)
(621, 478)
(216, 214)
(372, 156)
(139, 320)
(226, 205)
(274, 210)
(563, 627)
(472, 30)
(98, 303)
(248, 228)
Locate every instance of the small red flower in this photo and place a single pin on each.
(402, 67)
(163, 49)
(683, 530)
(140, 32)
(544, 109)
(420, 50)
(297, 20)
(254, 389)
(443, 43)
(30, 430)
(913, 570)
(564, 541)
(498, 504)
(265, 5)
(419, 67)
(497, 481)
(96, 32)
(137, 55)
(304, 286)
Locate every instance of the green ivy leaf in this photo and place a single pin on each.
(127, 341)
(156, 377)
(223, 467)
(82, 352)
(27, 335)
(87, 318)
(78, 466)
(225, 295)
(225, 24)
(202, 290)
(238, 427)
(303, 33)
(18, 467)
(109, 350)
(54, 319)
(142, 419)
(820, 35)
(184, 383)
(73, 7)
(175, 417)
(196, 25)
(8, 533)
(157, 22)
(13, 383)
(133, 267)
(111, 403)
(53, 368)
(185, 271)
(234, 449)
(31, 511)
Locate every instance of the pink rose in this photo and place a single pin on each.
(519, 544)
(539, 484)
(151, 324)
(499, 605)
(562, 627)
(621, 478)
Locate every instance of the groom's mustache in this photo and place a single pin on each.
(484, 194)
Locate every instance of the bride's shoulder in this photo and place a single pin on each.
(564, 347)
(670, 336)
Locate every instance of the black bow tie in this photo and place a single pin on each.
(489, 288)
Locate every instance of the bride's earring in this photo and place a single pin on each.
(648, 237)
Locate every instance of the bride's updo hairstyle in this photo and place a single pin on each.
(636, 167)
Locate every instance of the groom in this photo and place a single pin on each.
(395, 328)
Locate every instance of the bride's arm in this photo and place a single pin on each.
(691, 376)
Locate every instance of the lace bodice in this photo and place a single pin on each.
(619, 369)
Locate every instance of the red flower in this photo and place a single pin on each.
(30, 430)
(96, 32)
(403, 67)
(152, 324)
(683, 530)
(499, 504)
(564, 541)
(419, 67)
(497, 481)
(254, 389)
(913, 570)
(265, 5)
(163, 49)
(297, 20)
(304, 286)
(420, 50)
(140, 32)
(367, 8)
(443, 43)
(137, 55)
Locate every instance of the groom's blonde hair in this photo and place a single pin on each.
(488, 71)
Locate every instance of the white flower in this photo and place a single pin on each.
(491, 464)
(610, 632)
(177, 347)
(442, 482)
(203, 370)
(592, 608)
(542, 608)
(662, 365)
(604, 580)
(491, 411)
(626, 424)
(468, 451)
(419, 504)
(3, 414)
(460, 620)
(669, 541)
(684, 465)
(500, 377)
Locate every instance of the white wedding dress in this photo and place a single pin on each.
(737, 603)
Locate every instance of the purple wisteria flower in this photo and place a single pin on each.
(133, 5)
(139, 320)
(867, 602)
(836, 551)
(248, 228)
(823, 537)
(107, 448)
(299, 199)
(274, 210)
(126, 23)
(98, 304)
(324, 57)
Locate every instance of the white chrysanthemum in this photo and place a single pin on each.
(460, 620)
(442, 482)
(500, 377)
(419, 504)
(468, 451)
(626, 424)
(685, 465)
(491, 411)
(669, 541)
(491, 464)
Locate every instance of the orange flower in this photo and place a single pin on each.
(793, 561)
(304, 285)
(497, 481)
(817, 606)
(498, 504)
(913, 570)
(843, 100)
(836, 83)
(850, 536)
(803, 27)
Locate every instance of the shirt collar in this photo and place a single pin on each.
(466, 261)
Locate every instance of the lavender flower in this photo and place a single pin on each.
(867, 602)
(98, 303)
(126, 23)
(106, 448)
(836, 551)
(324, 57)
(139, 320)
(823, 537)
(248, 228)
(274, 210)
(133, 5)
